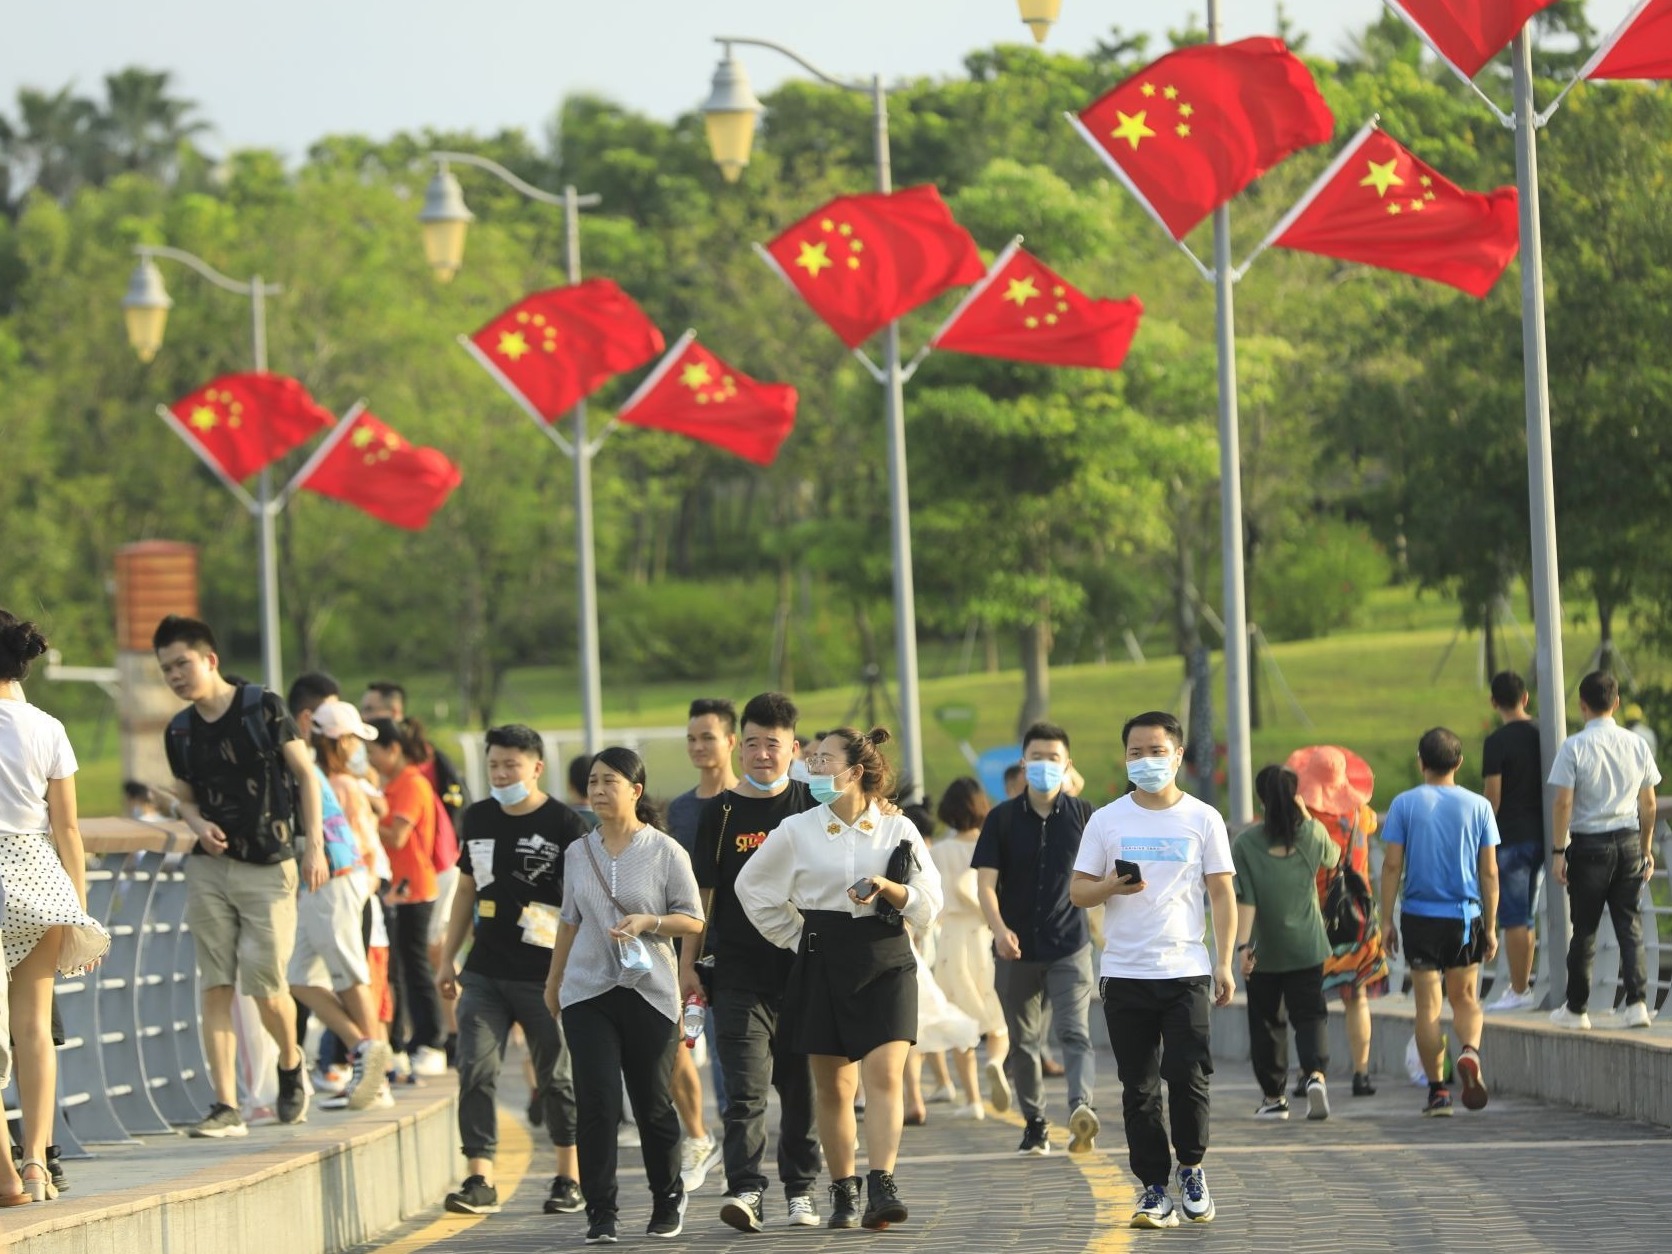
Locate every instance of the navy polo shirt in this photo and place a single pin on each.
(1035, 860)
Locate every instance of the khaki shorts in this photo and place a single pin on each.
(243, 920)
(329, 950)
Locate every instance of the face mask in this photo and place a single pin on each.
(511, 794)
(1045, 776)
(358, 762)
(1153, 775)
(635, 955)
(824, 788)
(772, 786)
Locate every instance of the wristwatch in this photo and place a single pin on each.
(1559, 853)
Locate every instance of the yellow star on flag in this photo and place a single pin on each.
(814, 258)
(1187, 111)
(1172, 93)
(1021, 291)
(513, 345)
(1148, 89)
(1394, 208)
(1132, 128)
(362, 436)
(204, 418)
(1183, 129)
(1418, 206)
(1382, 177)
(695, 375)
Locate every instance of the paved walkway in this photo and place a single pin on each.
(1376, 1176)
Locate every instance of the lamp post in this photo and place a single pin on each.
(730, 115)
(446, 221)
(1040, 16)
(145, 310)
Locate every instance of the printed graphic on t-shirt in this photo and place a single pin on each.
(747, 842)
(538, 860)
(481, 862)
(1157, 848)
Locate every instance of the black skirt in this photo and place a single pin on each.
(853, 986)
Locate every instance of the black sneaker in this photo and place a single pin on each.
(844, 1203)
(1439, 1102)
(565, 1197)
(601, 1231)
(742, 1210)
(1036, 1138)
(221, 1121)
(293, 1094)
(667, 1217)
(882, 1202)
(1300, 1085)
(1273, 1108)
(1361, 1085)
(474, 1197)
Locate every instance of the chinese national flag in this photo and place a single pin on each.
(863, 261)
(1024, 311)
(1192, 130)
(374, 469)
(1468, 33)
(556, 348)
(245, 422)
(1641, 48)
(694, 393)
(1381, 206)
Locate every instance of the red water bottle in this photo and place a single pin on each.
(692, 1021)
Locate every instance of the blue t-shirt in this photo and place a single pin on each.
(1443, 831)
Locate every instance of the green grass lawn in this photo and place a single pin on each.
(1375, 689)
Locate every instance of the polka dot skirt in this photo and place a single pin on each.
(39, 895)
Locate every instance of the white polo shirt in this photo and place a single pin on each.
(1606, 766)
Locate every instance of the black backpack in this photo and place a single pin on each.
(1349, 906)
(282, 801)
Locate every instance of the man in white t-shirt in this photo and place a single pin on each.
(1153, 856)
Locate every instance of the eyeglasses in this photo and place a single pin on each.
(827, 759)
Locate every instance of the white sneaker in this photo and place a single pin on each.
(998, 1087)
(1083, 1127)
(1635, 1015)
(697, 1157)
(942, 1093)
(1155, 1209)
(385, 1100)
(975, 1110)
(428, 1062)
(1562, 1017)
(1509, 1000)
(804, 1212)
(366, 1080)
(1197, 1202)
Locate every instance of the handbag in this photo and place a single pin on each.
(633, 953)
(1349, 906)
(901, 863)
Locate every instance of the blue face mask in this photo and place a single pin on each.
(824, 788)
(1045, 776)
(772, 786)
(512, 794)
(1153, 775)
(358, 761)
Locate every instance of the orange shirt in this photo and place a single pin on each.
(410, 797)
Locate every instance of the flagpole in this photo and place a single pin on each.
(1305, 202)
(514, 392)
(1547, 588)
(974, 294)
(1403, 14)
(227, 481)
(660, 371)
(319, 454)
(1597, 58)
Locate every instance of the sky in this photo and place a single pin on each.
(282, 75)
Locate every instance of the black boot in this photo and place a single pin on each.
(882, 1201)
(844, 1203)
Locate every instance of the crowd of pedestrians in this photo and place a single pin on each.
(795, 925)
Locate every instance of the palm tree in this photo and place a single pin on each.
(53, 146)
(144, 129)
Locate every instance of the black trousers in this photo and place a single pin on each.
(1302, 993)
(1159, 1030)
(1606, 870)
(419, 1009)
(487, 1009)
(613, 1037)
(754, 1054)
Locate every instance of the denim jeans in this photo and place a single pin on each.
(1606, 869)
(1023, 988)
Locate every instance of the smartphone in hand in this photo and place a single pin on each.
(1131, 872)
(863, 889)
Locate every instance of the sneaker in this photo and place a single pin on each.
(1300, 1086)
(998, 1087)
(1036, 1138)
(627, 1136)
(975, 1110)
(55, 1169)
(804, 1211)
(1317, 1098)
(1562, 1017)
(667, 1217)
(222, 1121)
(1273, 1108)
(882, 1202)
(428, 1062)
(331, 1079)
(942, 1093)
(400, 1068)
(601, 1231)
(742, 1211)
(1509, 1000)
(1155, 1209)
(1474, 1087)
(697, 1157)
(1439, 1102)
(1635, 1015)
(371, 1060)
(1362, 1086)
(1197, 1201)
(1083, 1127)
(339, 1101)
(844, 1203)
(564, 1198)
(474, 1197)
(294, 1090)
(385, 1100)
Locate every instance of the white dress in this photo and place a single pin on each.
(964, 958)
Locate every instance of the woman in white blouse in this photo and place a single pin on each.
(815, 886)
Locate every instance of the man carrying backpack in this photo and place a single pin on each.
(245, 782)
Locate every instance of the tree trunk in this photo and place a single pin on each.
(1035, 640)
(1607, 655)
(1488, 621)
(989, 648)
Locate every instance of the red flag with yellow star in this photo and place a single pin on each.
(694, 393)
(1382, 206)
(1024, 311)
(1640, 48)
(242, 423)
(372, 467)
(556, 348)
(1190, 131)
(1468, 33)
(863, 261)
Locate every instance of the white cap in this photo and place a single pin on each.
(337, 718)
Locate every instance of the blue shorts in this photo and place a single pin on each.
(1519, 867)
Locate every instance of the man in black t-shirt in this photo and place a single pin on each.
(246, 784)
(1512, 771)
(510, 890)
(749, 977)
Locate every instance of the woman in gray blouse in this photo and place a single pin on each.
(627, 890)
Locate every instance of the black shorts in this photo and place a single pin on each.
(1441, 944)
(853, 986)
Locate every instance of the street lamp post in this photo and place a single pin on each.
(145, 310)
(446, 221)
(730, 115)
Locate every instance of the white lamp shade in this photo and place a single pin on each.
(446, 221)
(1040, 15)
(730, 115)
(145, 309)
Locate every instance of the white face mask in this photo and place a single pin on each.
(1153, 775)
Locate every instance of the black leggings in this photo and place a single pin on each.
(1302, 992)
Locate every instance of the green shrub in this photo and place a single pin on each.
(1318, 582)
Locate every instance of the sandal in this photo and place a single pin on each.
(15, 1199)
(42, 1190)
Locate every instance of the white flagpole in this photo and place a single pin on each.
(777, 269)
(974, 294)
(487, 363)
(237, 489)
(1597, 59)
(1399, 11)
(1115, 168)
(324, 450)
(1305, 202)
(656, 375)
